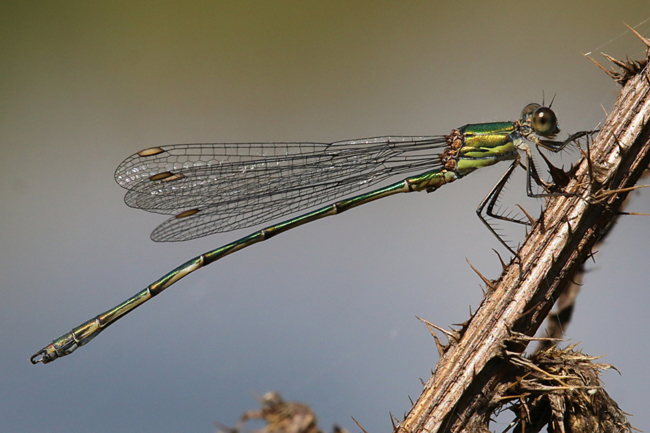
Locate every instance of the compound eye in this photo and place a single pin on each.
(544, 122)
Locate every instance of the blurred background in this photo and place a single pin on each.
(324, 314)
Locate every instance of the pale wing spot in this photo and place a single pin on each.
(151, 151)
(187, 213)
(161, 176)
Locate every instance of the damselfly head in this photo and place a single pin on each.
(541, 119)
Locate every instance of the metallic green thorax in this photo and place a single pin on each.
(486, 144)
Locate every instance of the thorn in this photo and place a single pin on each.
(573, 169)
(644, 40)
(449, 334)
(393, 419)
(592, 255)
(519, 337)
(503, 265)
(429, 325)
(606, 113)
(558, 175)
(607, 71)
(604, 194)
(441, 347)
(359, 425)
(464, 324)
(618, 143)
(411, 400)
(617, 62)
(422, 382)
(628, 68)
(530, 218)
(487, 282)
(633, 213)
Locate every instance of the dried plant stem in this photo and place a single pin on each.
(464, 390)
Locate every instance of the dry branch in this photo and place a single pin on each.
(466, 387)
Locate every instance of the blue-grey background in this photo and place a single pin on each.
(325, 314)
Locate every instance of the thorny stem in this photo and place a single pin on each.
(461, 394)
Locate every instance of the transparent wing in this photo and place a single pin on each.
(223, 187)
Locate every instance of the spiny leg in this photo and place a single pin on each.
(531, 171)
(490, 201)
(557, 146)
(532, 174)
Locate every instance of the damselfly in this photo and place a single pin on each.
(211, 188)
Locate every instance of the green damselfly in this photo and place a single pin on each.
(211, 188)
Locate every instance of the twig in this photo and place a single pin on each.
(461, 394)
